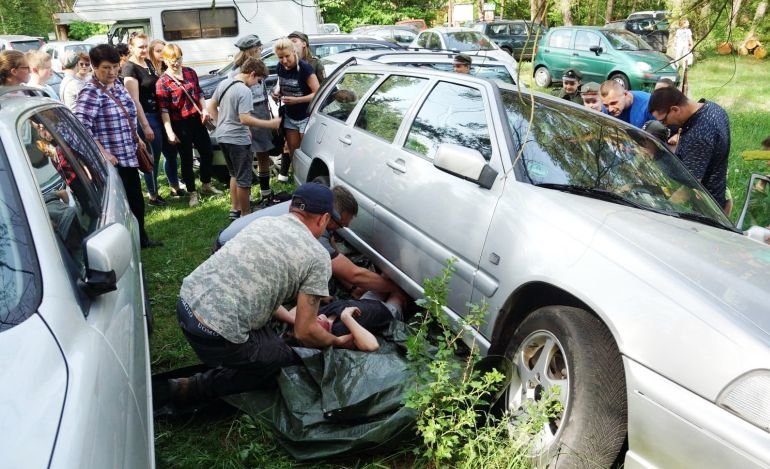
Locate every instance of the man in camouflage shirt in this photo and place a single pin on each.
(226, 303)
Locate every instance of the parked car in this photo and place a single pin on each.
(643, 311)
(654, 32)
(600, 54)
(418, 25)
(463, 40)
(73, 313)
(516, 37)
(659, 15)
(487, 67)
(58, 49)
(329, 28)
(20, 43)
(402, 35)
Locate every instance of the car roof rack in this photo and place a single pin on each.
(26, 90)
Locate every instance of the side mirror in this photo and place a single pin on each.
(107, 255)
(213, 72)
(465, 163)
(596, 49)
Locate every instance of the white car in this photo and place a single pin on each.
(57, 51)
(76, 389)
(461, 40)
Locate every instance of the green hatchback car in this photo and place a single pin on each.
(601, 54)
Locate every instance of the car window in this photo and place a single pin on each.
(341, 102)
(26, 45)
(71, 175)
(518, 29)
(402, 35)
(20, 291)
(560, 38)
(434, 42)
(584, 40)
(622, 40)
(467, 40)
(385, 109)
(498, 29)
(493, 72)
(451, 114)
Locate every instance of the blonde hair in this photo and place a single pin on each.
(283, 44)
(157, 63)
(37, 59)
(171, 52)
(133, 39)
(10, 59)
(243, 55)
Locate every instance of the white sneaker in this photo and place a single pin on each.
(193, 199)
(283, 178)
(210, 190)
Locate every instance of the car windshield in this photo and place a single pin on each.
(468, 40)
(622, 40)
(25, 46)
(78, 48)
(589, 154)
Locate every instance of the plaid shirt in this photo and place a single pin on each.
(107, 122)
(173, 100)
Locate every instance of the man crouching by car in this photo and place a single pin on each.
(226, 303)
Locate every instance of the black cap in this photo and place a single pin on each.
(573, 75)
(248, 42)
(314, 198)
(464, 59)
(299, 35)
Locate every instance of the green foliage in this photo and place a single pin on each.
(79, 30)
(31, 17)
(452, 398)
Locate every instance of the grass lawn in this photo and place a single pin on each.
(740, 84)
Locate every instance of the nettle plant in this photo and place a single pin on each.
(455, 392)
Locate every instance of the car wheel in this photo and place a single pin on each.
(542, 77)
(569, 348)
(322, 179)
(622, 79)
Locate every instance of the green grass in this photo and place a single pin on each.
(740, 84)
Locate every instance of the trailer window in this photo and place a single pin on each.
(199, 23)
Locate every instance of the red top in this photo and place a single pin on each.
(173, 100)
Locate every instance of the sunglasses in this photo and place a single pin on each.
(84, 64)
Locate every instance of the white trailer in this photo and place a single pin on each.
(206, 35)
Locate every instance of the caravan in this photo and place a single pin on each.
(205, 34)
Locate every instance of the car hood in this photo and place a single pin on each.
(658, 60)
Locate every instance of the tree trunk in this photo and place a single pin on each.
(566, 14)
(758, 16)
(608, 11)
(677, 10)
(734, 14)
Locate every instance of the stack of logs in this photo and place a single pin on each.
(751, 46)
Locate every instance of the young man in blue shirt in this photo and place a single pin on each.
(628, 106)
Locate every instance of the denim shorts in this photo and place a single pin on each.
(289, 123)
(239, 161)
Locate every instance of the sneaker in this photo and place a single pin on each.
(178, 192)
(157, 202)
(283, 178)
(193, 199)
(210, 190)
(234, 215)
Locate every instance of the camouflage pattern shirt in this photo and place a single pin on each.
(272, 259)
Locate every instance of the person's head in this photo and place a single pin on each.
(248, 46)
(301, 43)
(345, 205)
(255, 71)
(83, 65)
(766, 143)
(105, 62)
(325, 322)
(172, 57)
(156, 51)
(39, 65)
(313, 204)
(683, 23)
(665, 83)
(590, 94)
(286, 53)
(570, 81)
(462, 63)
(139, 47)
(669, 106)
(69, 60)
(14, 69)
(615, 97)
(122, 49)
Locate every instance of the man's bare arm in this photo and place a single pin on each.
(306, 328)
(345, 270)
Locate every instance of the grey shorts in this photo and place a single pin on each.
(261, 139)
(239, 162)
(291, 124)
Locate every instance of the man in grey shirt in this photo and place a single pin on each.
(231, 107)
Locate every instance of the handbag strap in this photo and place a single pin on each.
(180, 85)
(120, 105)
(221, 96)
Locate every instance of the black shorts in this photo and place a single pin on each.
(239, 162)
(375, 316)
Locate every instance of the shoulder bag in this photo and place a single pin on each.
(210, 126)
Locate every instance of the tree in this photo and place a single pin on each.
(31, 17)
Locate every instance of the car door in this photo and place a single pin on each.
(557, 52)
(594, 66)
(426, 216)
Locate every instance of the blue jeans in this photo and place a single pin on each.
(160, 143)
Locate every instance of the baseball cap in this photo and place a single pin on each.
(299, 35)
(573, 75)
(248, 42)
(315, 198)
(464, 59)
(590, 88)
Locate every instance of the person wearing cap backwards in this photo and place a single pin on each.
(589, 93)
(225, 304)
(570, 83)
(462, 64)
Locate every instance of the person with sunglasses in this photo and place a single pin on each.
(77, 69)
(231, 106)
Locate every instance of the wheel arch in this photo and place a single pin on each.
(317, 168)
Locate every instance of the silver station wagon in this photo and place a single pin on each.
(75, 370)
(612, 277)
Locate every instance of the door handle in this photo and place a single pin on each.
(346, 140)
(398, 165)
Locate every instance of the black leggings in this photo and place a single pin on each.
(133, 188)
(191, 132)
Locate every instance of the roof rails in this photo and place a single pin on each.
(26, 90)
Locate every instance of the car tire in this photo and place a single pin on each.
(584, 358)
(322, 179)
(622, 79)
(542, 77)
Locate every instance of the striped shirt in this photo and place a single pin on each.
(107, 122)
(172, 98)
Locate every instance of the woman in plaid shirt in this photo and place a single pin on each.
(183, 111)
(113, 132)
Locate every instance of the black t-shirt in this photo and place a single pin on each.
(294, 83)
(146, 76)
